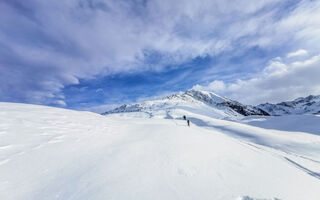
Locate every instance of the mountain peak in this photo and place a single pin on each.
(201, 95)
(206, 95)
(198, 101)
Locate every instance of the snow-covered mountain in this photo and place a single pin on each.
(302, 105)
(213, 105)
(203, 102)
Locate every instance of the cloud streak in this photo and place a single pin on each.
(300, 52)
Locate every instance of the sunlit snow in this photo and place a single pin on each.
(51, 153)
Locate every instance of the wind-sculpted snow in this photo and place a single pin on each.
(50, 153)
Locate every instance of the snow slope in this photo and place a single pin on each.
(294, 123)
(51, 153)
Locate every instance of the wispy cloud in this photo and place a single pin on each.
(300, 52)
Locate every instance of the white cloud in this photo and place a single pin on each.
(60, 103)
(300, 52)
(279, 81)
(215, 86)
(64, 41)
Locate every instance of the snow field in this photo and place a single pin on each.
(50, 153)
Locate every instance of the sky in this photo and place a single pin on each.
(97, 54)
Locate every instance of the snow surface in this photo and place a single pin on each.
(51, 153)
(295, 123)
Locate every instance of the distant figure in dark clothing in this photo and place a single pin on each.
(188, 122)
(184, 117)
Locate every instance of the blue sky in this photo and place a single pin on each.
(96, 54)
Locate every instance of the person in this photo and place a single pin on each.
(184, 117)
(188, 122)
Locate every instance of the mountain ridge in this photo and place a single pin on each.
(207, 100)
(231, 108)
(301, 105)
